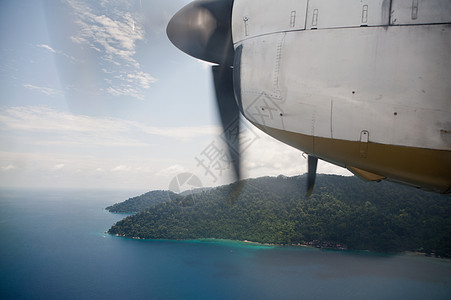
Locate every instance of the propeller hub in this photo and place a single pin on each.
(203, 29)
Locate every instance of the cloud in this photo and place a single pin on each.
(261, 155)
(72, 129)
(121, 168)
(47, 47)
(41, 169)
(52, 50)
(44, 90)
(181, 133)
(141, 78)
(41, 118)
(58, 167)
(8, 167)
(269, 157)
(113, 32)
(173, 170)
(106, 166)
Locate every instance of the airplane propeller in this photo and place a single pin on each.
(202, 29)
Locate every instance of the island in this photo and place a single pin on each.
(342, 213)
(139, 203)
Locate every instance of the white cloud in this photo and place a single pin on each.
(44, 90)
(8, 167)
(113, 32)
(52, 50)
(121, 168)
(125, 91)
(269, 157)
(47, 47)
(143, 79)
(58, 167)
(44, 140)
(40, 118)
(181, 133)
(171, 171)
(264, 157)
(92, 130)
(37, 169)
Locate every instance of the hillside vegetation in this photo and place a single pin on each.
(139, 203)
(342, 211)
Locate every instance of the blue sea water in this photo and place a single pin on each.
(53, 246)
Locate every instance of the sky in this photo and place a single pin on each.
(93, 95)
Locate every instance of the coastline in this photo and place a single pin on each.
(308, 245)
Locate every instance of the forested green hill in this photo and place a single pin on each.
(136, 204)
(342, 210)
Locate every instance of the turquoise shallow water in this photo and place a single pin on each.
(53, 246)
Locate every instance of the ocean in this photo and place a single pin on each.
(54, 246)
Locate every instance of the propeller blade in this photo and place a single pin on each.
(229, 113)
(311, 175)
(203, 29)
